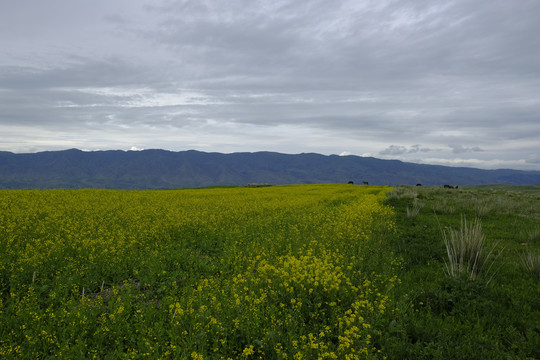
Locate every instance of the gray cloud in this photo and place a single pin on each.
(318, 76)
(394, 150)
(400, 150)
(533, 159)
(460, 149)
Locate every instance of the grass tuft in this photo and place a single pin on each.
(402, 192)
(443, 207)
(531, 262)
(534, 234)
(466, 250)
(415, 210)
(482, 208)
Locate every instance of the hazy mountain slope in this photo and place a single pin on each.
(158, 169)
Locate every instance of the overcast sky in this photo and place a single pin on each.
(440, 82)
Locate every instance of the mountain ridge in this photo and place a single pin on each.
(163, 169)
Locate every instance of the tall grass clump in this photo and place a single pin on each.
(482, 208)
(414, 210)
(534, 234)
(531, 262)
(444, 207)
(402, 192)
(467, 252)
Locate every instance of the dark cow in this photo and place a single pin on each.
(448, 186)
(351, 182)
(365, 183)
(418, 184)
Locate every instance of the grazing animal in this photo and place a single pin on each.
(418, 184)
(365, 183)
(448, 187)
(351, 182)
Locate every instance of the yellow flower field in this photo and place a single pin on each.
(280, 272)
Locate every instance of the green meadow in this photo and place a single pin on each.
(487, 311)
(278, 272)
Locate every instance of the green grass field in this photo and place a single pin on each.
(494, 316)
(278, 272)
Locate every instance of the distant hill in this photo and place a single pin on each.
(161, 169)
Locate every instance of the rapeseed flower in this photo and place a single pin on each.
(193, 273)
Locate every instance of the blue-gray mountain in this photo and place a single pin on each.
(160, 169)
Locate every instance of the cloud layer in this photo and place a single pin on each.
(446, 82)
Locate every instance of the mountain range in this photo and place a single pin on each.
(162, 169)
